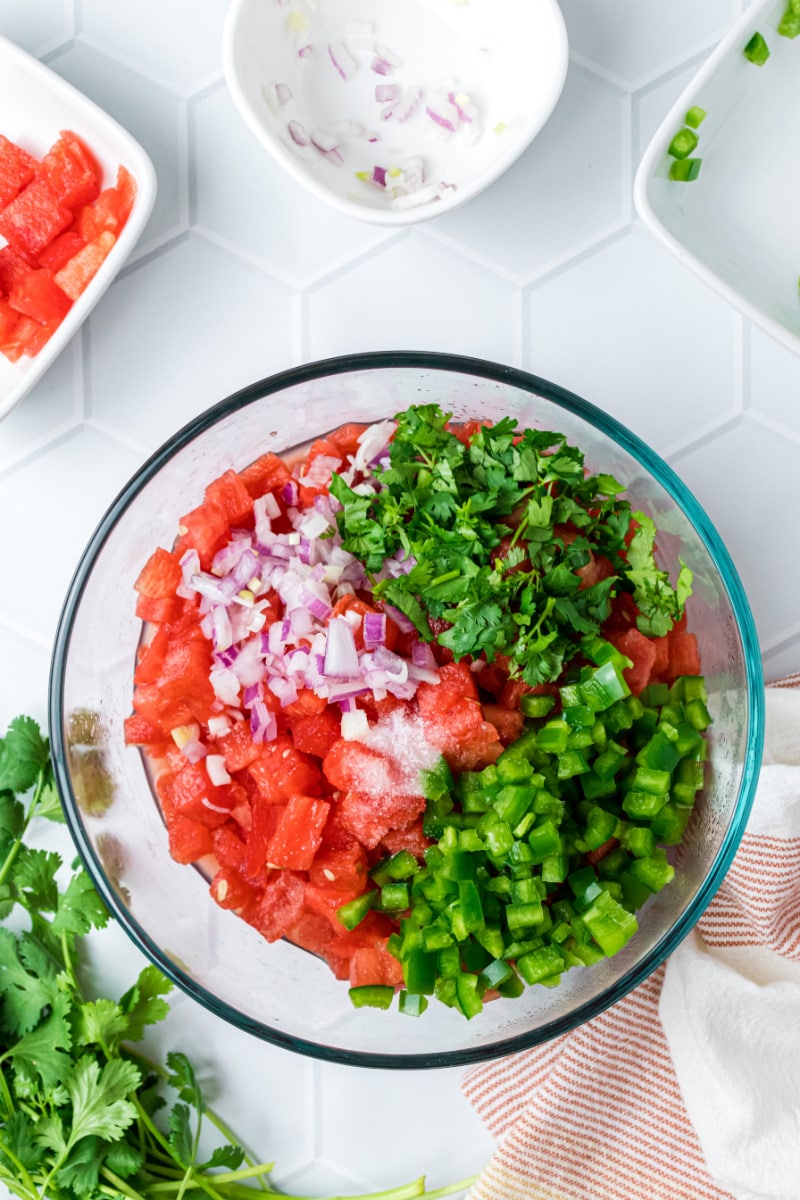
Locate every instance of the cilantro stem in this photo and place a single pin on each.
(18, 841)
(215, 1119)
(120, 1184)
(25, 1178)
(7, 1100)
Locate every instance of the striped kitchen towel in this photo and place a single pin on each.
(689, 1088)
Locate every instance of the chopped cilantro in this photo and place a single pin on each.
(500, 530)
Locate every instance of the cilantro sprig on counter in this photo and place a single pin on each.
(83, 1115)
(496, 532)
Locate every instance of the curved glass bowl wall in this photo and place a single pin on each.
(280, 992)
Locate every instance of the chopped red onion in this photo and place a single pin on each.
(221, 631)
(305, 51)
(379, 176)
(318, 607)
(422, 675)
(289, 492)
(323, 466)
(411, 100)
(374, 630)
(263, 726)
(341, 656)
(276, 95)
(270, 505)
(440, 118)
(297, 132)
(347, 705)
(250, 694)
(385, 92)
(216, 770)
(354, 725)
(219, 726)
(194, 750)
(381, 66)
(388, 55)
(284, 689)
(342, 59)
(326, 144)
(464, 107)
(422, 656)
(400, 619)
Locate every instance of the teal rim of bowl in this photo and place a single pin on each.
(672, 484)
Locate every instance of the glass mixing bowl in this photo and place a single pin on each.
(277, 991)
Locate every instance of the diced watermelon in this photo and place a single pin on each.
(268, 473)
(279, 908)
(160, 575)
(375, 965)
(229, 848)
(8, 319)
(340, 870)
(230, 891)
(411, 839)
(61, 250)
(351, 765)
(195, 796)
(17, 169)
(37, 295)
(139, 731)
(188, 840)
(79, 270)
(206, 530)
(71, 171)
(642, 653)
(238, 747)
(507, 721)
(110, 210)
(299, 833)
(13, 267)
(345, 438)
(284, 770)
(230, 495)
(318, 733)
(19, 337)
(34, 218)
(684, 655)
(371, 817)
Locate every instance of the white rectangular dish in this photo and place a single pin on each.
(736, 225)
(35, 105)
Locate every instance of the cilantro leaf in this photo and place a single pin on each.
(23, 753)
(25, 995)
(142, 1004)
(100, 1022)
(229, 1156)
(98, 1096)
(49, 805)
(12, 815)
(42, 1051)
(180, 1134)
(20, 1137)
(35, 876)
(79, 907)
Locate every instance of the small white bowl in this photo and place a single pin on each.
(35, 105)
(737, 224)
(440, 95)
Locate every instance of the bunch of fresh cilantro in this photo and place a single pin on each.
(495, 532)
(83, 1116)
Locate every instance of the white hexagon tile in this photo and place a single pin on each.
(240, 273)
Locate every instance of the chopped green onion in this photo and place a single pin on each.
(790, 21)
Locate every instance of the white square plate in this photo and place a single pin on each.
(35, 105)
(737, 224)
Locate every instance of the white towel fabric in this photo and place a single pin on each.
(730, 1002)
(705, 1104)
